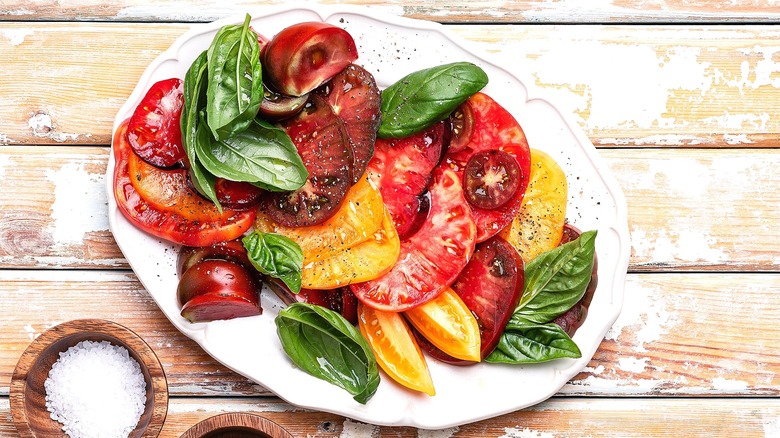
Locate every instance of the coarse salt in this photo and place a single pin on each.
(95, 389)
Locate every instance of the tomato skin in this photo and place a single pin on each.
(217, 277)
(231, 250)
(430, 259)
(237, 195)
(395, 348)
(491, 286)
(575, 317)
(154, 130)
(493, 128)
(203, 230)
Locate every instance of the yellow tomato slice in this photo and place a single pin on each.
(356, 221)
(396, 351)
(449, 325)
(365, 261)
(538, 226)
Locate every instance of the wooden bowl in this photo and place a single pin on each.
(235, 425)
(28, 395)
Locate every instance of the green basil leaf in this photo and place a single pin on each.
(425, 97)
(556, 280)
(277, 256)
(528, 342)
(324, 344)
(194, 101)
(262, 155)
(235, 80)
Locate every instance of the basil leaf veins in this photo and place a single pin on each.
(276, 255)
(324, 344)
(425, 97)
(524, 341)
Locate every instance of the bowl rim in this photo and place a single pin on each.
(132, 341)
(249, 420)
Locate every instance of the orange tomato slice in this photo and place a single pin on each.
(538, 226)
(448, 324)
(362, 262)
(396, 351)
(357, 220)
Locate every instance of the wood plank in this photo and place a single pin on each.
(558, 417)
(678, 334)
(665, 86)
(519, 11)
(683, 206)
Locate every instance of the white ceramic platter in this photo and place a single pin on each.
(391, 47)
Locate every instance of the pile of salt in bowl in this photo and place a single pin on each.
(95, 389)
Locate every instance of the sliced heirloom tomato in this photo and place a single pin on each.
(365, 261)
(237, 195)
(431, 258)
(447, 323)
(395, 348)
(165, 206)
(491, 128)
(153, 131)
(355, 98)
(402, 168)
(340, 300)
(491, 286)
(322, 142)
(359, 217)
(573, 318)
(538, 226)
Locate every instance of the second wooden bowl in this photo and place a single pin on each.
(237, 425)
(28, 394)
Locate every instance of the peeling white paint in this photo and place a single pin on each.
(356, 429)
(5, 140)
(515, 432)
(42, 126)
(79, 203)
(645, 315)
(441, 433)
(633, 364)
(183, 408)
(729, 385)
(31, 333)
(16, 36)
(771, 424)
(5, 163)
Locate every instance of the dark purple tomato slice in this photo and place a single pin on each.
(218, 277)
(493, 127)
(213, 307)
(275, 107)
(322, 142)
(154, 130)
(231, 250)
(461, 128)
(401, 169)
(355, 98)
(237, 195)
(340, 300)
(491, 286)
(491, 179)
(573, 319)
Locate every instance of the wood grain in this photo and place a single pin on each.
(665, 341)
(688, 210)
(522, 11)
(666, 86)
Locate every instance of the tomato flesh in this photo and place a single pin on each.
(203, 227)
(430, 259)
(402, 168)
(491, 179)
(154, 130)
(217, 277)
(493, 128)
(323, 144)
(237, 195)
(491, 286)
(231, 250)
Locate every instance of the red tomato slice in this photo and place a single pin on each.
(154, 130)
(431, 258)
(492, 127)
(202, 229)
(401, 168)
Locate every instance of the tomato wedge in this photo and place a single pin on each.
(153, 131)
(430, 259)
(358, 218)
(538, 226)
(363, 262)
(448, 324)
(396, 351)
(492, 127)
(203, 225)
(401, 168)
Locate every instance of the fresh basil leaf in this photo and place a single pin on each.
(262, 155)
(194, 101)
(557, 279)
(324, 344)
(235, 80)
(524, 341)
(276, 255)
(425, 97)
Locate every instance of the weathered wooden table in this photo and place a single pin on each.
(682, 99)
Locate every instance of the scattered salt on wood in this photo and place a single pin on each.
(95, 389)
